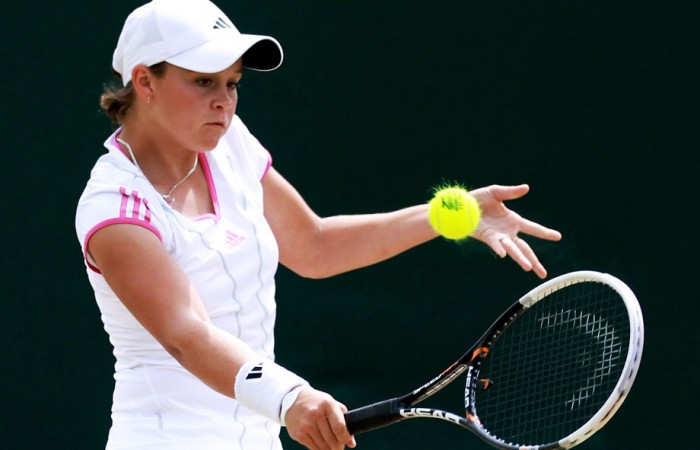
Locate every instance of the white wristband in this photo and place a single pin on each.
(261, 386)
(288, 401)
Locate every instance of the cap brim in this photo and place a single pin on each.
(258, 52)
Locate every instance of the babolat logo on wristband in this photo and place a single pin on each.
(264, 394)
(255, 372)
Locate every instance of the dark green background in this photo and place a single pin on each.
(594, 103)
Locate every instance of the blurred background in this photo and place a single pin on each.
(593, 103)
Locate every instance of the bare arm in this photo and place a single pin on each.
(318, 247)
(160, 296)
(156, 291)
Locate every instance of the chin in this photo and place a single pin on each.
(210, 142)
(207, 148)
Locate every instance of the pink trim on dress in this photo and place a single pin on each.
(137, 212)
(269, 164)
(140, 215)
(119, 145)
(125, 202)
(115, 221)
(206, 169)
(148, 210)
(137, 207)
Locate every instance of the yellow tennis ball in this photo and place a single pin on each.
(454, 213)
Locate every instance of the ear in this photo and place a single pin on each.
(142, 80)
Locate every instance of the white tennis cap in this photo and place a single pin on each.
(192, 34)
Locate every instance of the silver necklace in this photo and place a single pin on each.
(166, 197)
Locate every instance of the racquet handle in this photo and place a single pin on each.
(373, 416)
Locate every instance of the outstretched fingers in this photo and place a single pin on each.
(506, 193)
(516, 253)
(539, 231)
(500, 227)
(518, 250)
(527, 252)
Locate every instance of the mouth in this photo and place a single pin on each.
(216, 124)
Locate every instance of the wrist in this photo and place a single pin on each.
(261, 386)
(288, 401)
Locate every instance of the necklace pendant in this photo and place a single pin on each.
(166, 197)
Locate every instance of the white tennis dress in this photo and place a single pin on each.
(230, 257)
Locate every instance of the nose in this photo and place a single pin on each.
(225, 98)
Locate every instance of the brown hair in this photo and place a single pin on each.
(117, 99)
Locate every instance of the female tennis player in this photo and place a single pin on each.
(183, 223)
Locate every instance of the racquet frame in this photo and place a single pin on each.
(401, 408)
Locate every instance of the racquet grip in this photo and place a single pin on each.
(373, 416)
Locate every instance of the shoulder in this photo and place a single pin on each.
(112, 167)
(117, 193)
(112, 179)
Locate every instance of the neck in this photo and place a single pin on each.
(165, 190)
(163, 163)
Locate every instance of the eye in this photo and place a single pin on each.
(234, 85)
(204, 82)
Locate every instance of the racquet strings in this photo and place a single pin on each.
(555, 366)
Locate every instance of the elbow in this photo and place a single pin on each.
(316, 274)
(309, 262)
(181, 341)
(309, 270)
(320, 266)
(307, 255)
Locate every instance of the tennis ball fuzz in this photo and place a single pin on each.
(454, 213)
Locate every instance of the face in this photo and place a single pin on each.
(195, 109)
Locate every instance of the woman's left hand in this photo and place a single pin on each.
(499, 227)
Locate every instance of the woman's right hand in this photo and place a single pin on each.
(316, 420)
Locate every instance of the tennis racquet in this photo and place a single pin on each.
(550, 372)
